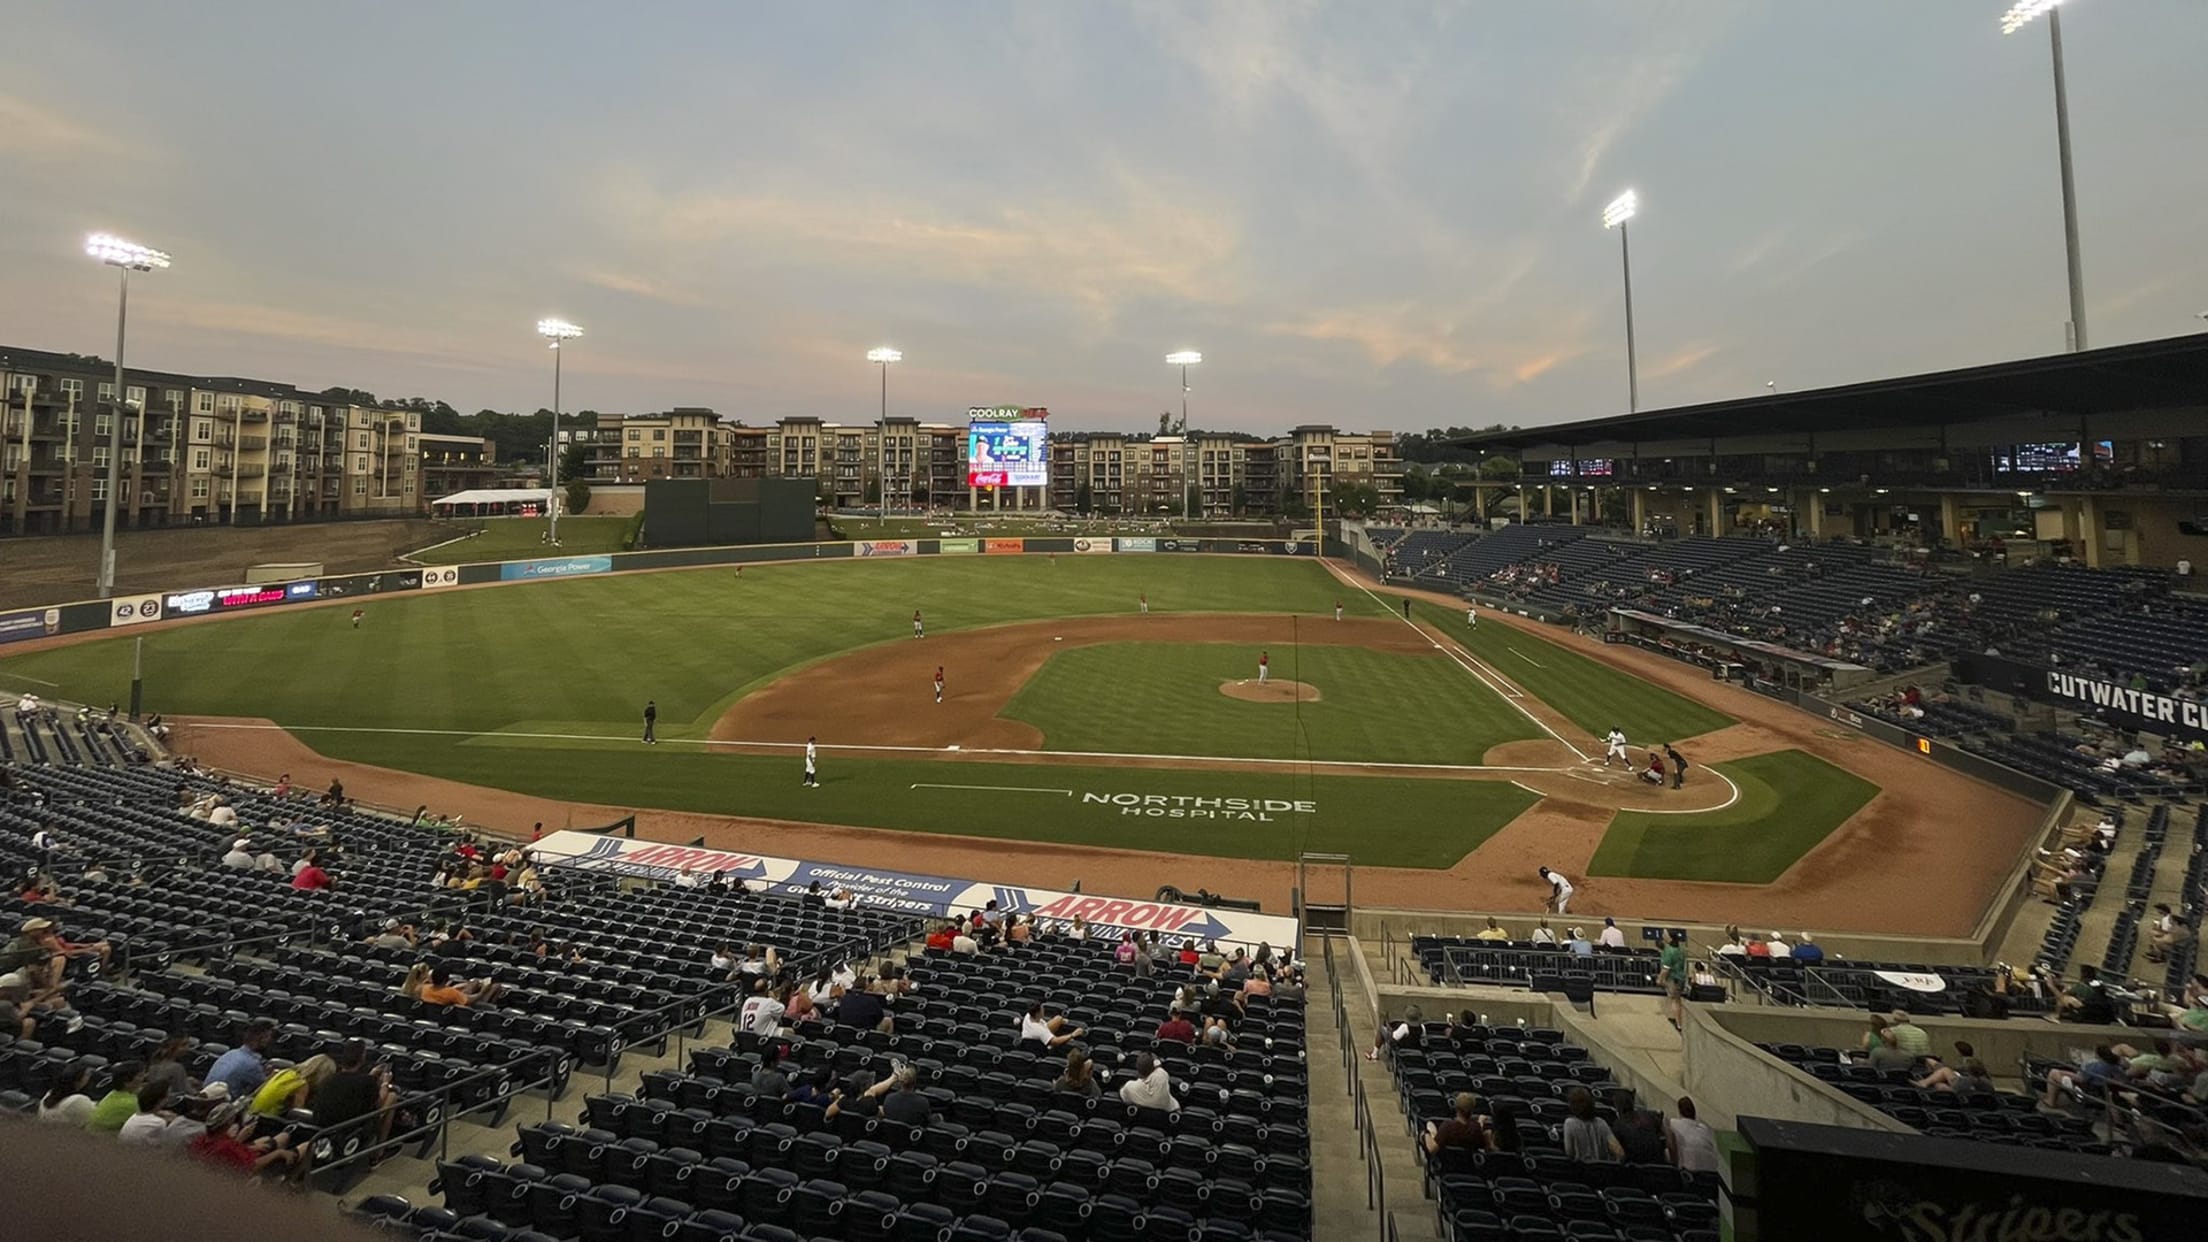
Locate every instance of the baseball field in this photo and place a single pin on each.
(1069, 716)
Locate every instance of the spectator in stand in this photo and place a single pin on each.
(240, 855)
(1732, 946)
(964, 941)
(1757, 947)
(760, 961)
(864, 1006)
(292, 1087)
(904, 1104)
(1808, 950)
(1587, 1137)
(1576, 941)
(1907, 1035)
(145, 1127)
(1405, 1032)
(1189, 954)
(1048, 1032)
(1124, 952)
(1017, 930)
(1464, 1131)
(121, 1101)
(1079, 1077)
(1502, 1126)
(762, 1011)
(1542, 935)
(1691, 1142)
(1493, 931)
(1971, 1079)
(227, 1143)
(395, 935)
(770, 1081)
(243, 1069)
(309, 876)
(1177, 1028)
(2087, 1000)
(2106, 1068)
(1776, 946)
(67, 1101)
(354, 1091)
(941, 937)
(165, 1065)
(1613, 936)
(1150, 1087)
(443, 989)
(1671, 962)
(858, 1094)
(1641, 1135)
(16, 1019)
(2168, 930)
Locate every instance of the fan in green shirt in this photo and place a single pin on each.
(120, 1103)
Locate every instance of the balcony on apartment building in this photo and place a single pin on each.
(252, 444)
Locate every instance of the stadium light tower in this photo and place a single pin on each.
(882, 356)
(126, 257)
(1184, 359)
(556, 331)
(2020, 15)
(1620, 210)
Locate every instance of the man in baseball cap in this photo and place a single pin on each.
(34, 954)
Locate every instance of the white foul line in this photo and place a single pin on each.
(40, 680)
(1467, 662)
(1523, 656)
(995, 788)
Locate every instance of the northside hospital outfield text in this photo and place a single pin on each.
(1190, 806)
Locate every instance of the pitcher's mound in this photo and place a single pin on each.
(1274, 691)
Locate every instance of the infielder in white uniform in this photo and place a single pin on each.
(1617, 750)
(1144, 600)
(917, 631)
(1560, 890)
(1472, 615)
(1264, 667)
(812, 760)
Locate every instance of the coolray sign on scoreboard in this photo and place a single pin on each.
(915, 893)
(1007, 446)
(887, 547)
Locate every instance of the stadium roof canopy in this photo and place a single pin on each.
(2149, 375)
(494, 496)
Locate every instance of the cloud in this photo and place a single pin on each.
(29, 131)
(1405, 332)
(1129, 237)
(225, 318)
(653, 290)
(1683, 361)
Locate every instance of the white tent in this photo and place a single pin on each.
(495, 499)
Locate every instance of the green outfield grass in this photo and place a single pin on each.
(1163, 698)
(1753, 841)
(1591, 694)
(519, 539)
(1378, 821)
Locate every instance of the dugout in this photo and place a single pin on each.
(688, 513)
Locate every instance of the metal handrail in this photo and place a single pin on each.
(443, 1117)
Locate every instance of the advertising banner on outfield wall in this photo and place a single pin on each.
(564, 567)
(1138, 544)
(1180, 545)
(30, 623)
(886, 547)
(372, 584)
(917, 894)
(440, 576)
(134, 610)
(958, 547)
(993, 546)
(1092, 545)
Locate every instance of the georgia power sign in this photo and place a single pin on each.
(913, 893)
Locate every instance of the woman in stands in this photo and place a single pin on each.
(293, 1087)
(1080, 1076)
(1587, 1137)
(66, 1101)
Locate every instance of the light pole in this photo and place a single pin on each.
(555, 330)
(1184, 359)
(882, 356)
(1614, 216)
(126, 257)
(2019, 16)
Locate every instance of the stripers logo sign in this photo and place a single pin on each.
(1898, 1212)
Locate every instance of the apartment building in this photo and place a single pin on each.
(452, 464)
(194, 450)
(1315, 458)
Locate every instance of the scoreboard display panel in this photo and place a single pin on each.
(1007, 446)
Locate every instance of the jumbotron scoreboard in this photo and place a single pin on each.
(1007, 446)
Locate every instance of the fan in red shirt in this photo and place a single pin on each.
(942, 937)
(310, 878)
(1189, 955)
(1176, 1027)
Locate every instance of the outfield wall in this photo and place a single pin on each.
(198, 602)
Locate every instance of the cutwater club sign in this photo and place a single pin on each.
(2188, 714)
(925, 895)
(1190, 806)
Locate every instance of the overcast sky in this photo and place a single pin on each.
(1371, 214)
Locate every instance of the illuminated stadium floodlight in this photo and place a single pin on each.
(1621, 209)
(882, 356)
(1184, 359)
(556, 331)
(2020, 15)
(126, 257)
